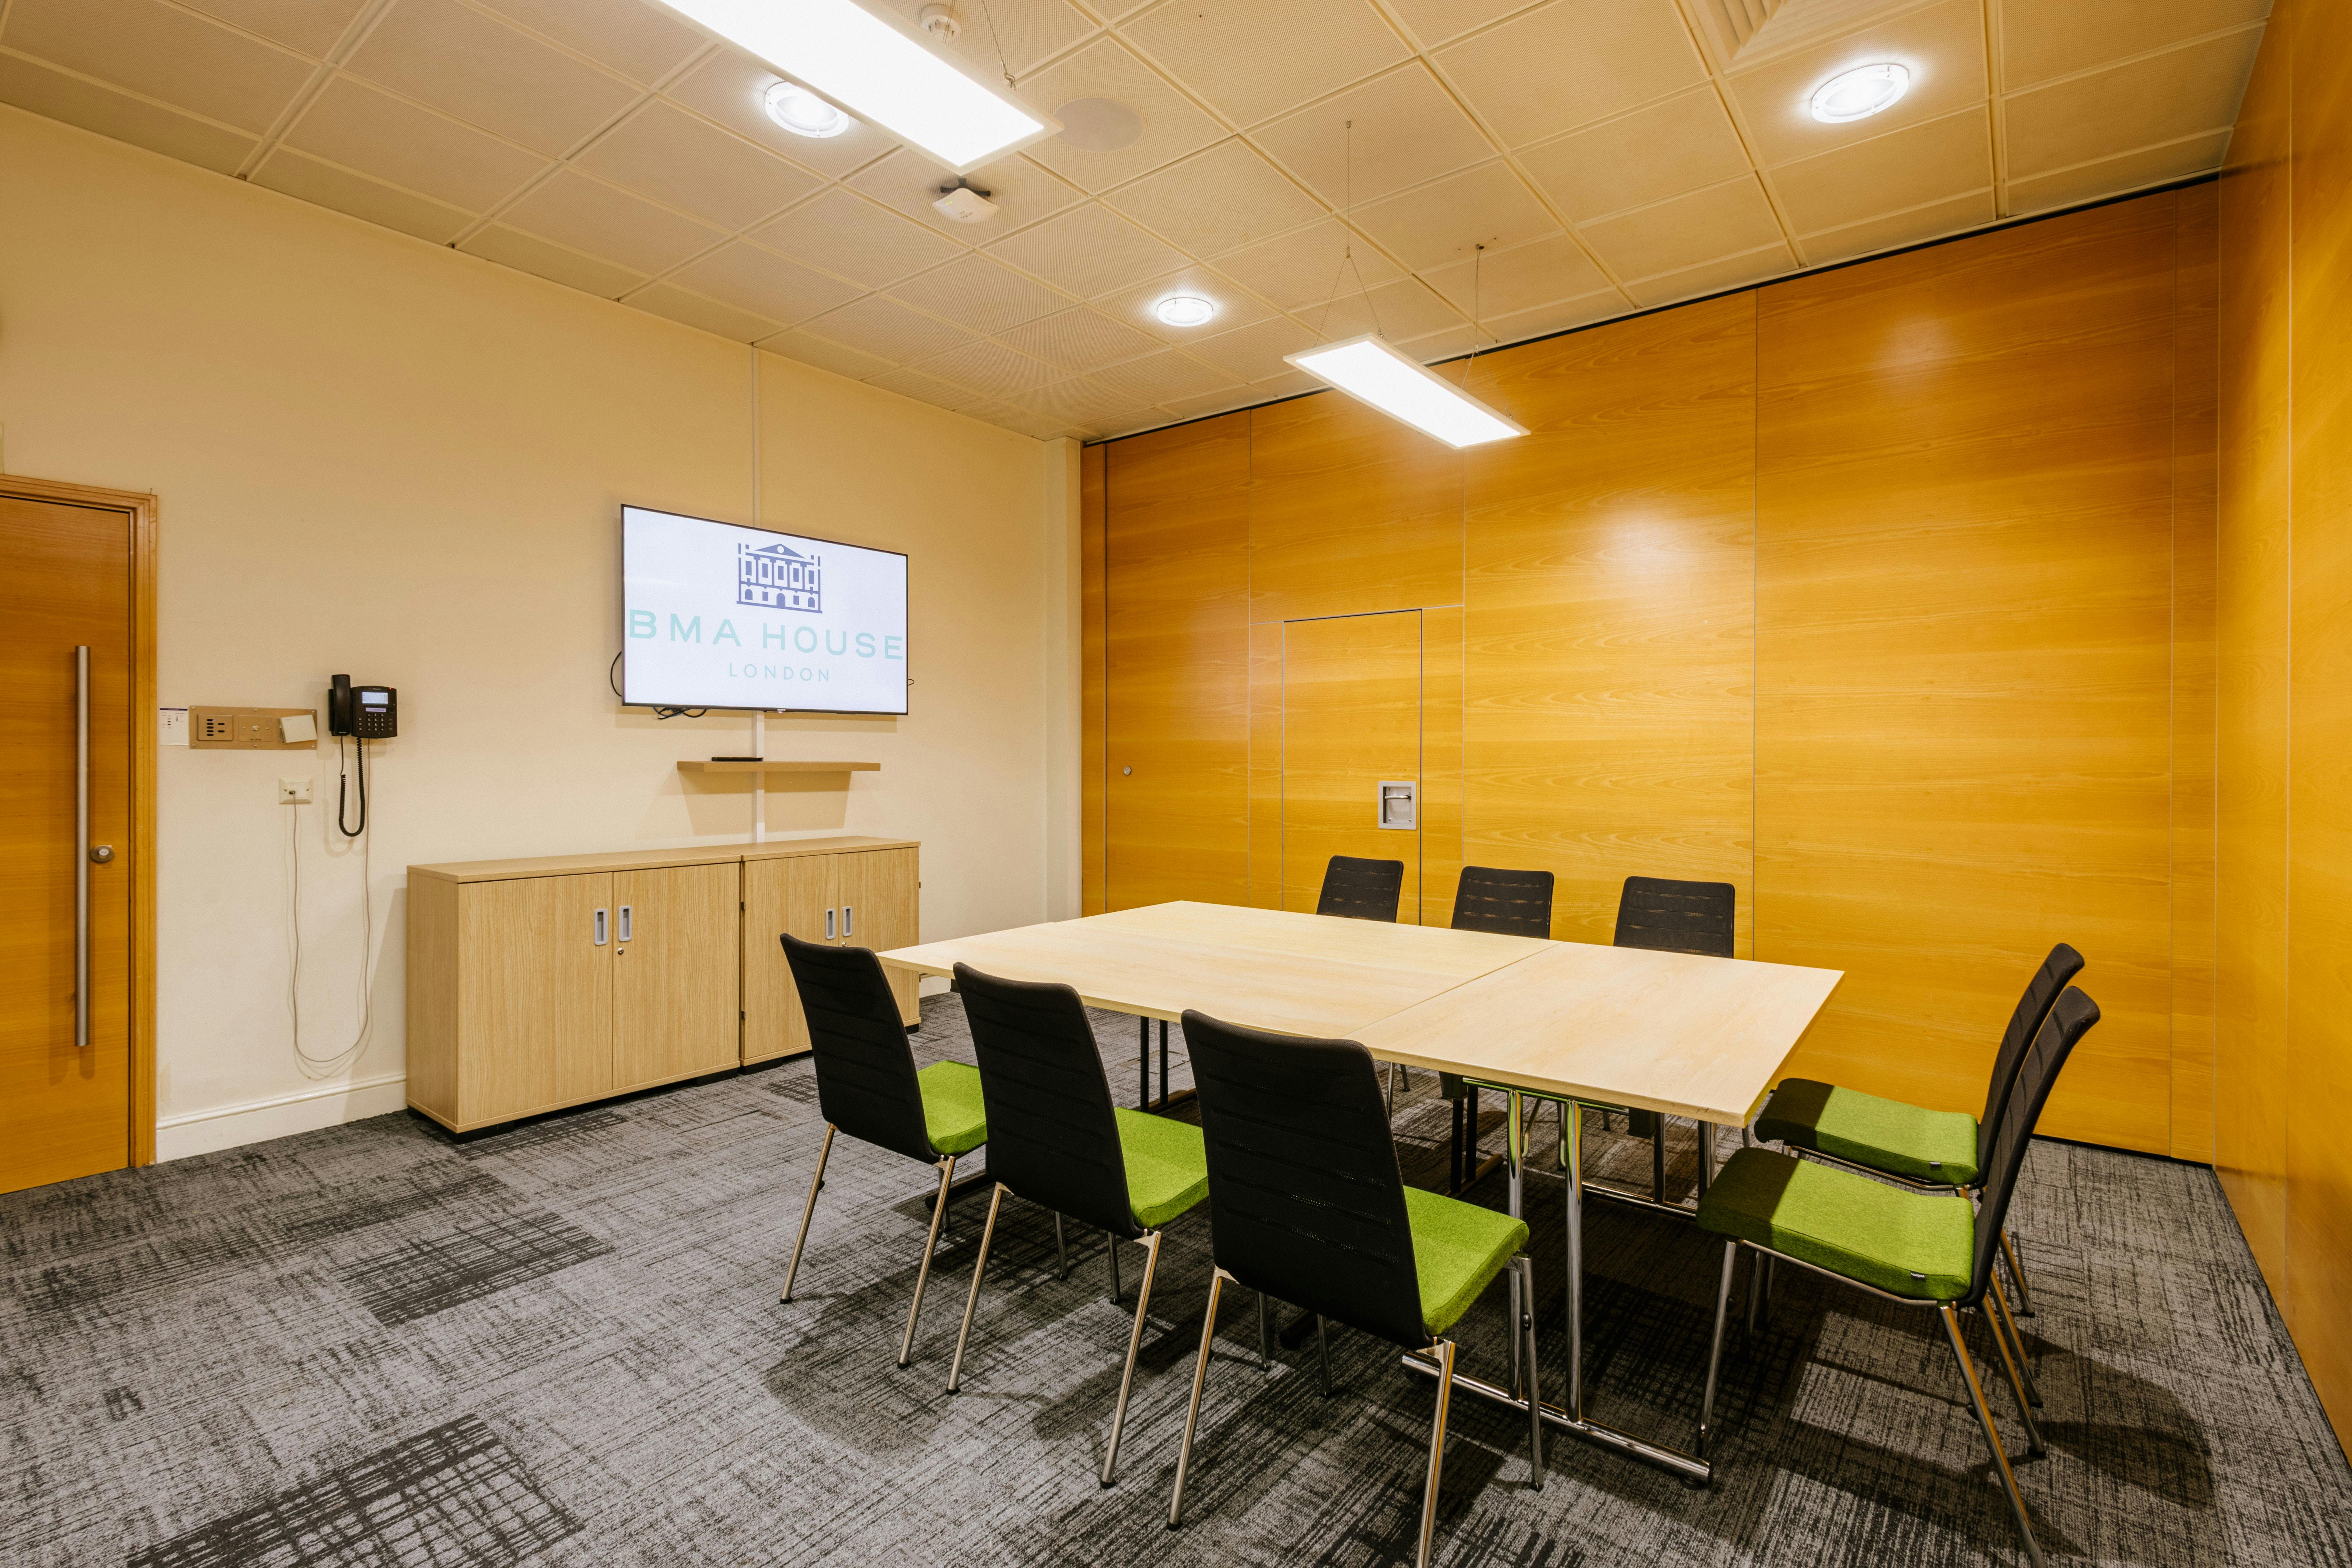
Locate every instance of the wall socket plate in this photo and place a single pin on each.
(293, 791)
(246, 729)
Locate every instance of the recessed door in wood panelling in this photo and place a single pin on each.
(1964, 616)
(675, 996)
(1350, 721)
(2193, 561)
(536, 986)
(1609, 613)
(1177, 637)
(1349, 511)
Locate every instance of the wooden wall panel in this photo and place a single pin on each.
(1963, 514)
(1177, 650)
(2194, 518)
(1094, 686)
(2250, 632)
(1610, 612)
(1264, 890)
(1440, 761)
(1346, 519)
(1350, 720)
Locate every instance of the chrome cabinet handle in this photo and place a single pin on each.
(848, 929)
(828, 924)
(81, 848)
(599, 927)
(625, 922)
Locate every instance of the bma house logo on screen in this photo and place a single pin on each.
(778, 577)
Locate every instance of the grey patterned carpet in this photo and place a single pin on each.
(562, 1345)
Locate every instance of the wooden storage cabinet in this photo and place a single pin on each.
(537, 985)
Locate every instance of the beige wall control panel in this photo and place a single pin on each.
(253, 729)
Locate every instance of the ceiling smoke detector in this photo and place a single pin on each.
(941, 23)
(963, 204)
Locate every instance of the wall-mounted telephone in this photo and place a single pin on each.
(369, 713)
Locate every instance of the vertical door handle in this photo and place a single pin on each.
(828, 924)
(625, 923)
(81, 848)
(600, 927)
(848, 928)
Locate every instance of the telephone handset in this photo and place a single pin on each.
(369, 713)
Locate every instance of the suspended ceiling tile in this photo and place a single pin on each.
(907, 382)
(1254, 352)
(1904, 169)
(642, 41)
(1398, 311)
(571, 209)
(976, 292)
(1518, 279)
(1023, 193)
(367, 129)
(1001, 34)
(1446, 221)
(2161, 98)
(1892, 231)
(1156, 378)
(1400, 130)
(2039, 40)
(69, 99)
(1307, 266)
(1080, 340)
(182, 58)
(1572, 62)
(360, 196)
(528, 253)
(1016, 419)
(1210, 403)
(699, 311)
(1172, 126)
(1690, 229)
(732, 88)
(1252, 60)
(751, 279)
(1661, 149)
(1559, 316)
(2147, 167)
(1135, 306)
(1714, 276)
(681, 159)
(825, 354)
(313, 27)
(994, 369)
(1217, 201)
(1088, 251)
(1434, 22)
(879, 326)
(463, 62)
(1289, 383)
(1943, 45)
(1079, 401)
(859, 240)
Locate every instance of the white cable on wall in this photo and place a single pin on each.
(315, 1067)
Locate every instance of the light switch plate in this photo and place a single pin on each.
(171, 726)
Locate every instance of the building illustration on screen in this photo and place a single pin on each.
(778, 577)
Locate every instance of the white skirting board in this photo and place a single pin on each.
(306, 1110)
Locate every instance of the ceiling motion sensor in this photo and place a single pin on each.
(964, 203)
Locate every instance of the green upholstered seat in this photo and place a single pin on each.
(953, 1116)
(1457, 1249)
(1167, 1165)
(1920, 1245)
(1938, 1147)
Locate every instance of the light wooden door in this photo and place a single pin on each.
(794, 894)
(65, 582)
(1350, 721)
(535, 995)
(674, 966)
(880, 909)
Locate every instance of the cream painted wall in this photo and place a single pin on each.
(380, 456)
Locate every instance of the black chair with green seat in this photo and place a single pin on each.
(1663, 915)
(1307, 1205)
(1361, 890)
(1507, 904)
(867, 1085)
(1915, 1248)
(1936, 1149)
(1056, 1141)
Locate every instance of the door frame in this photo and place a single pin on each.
(141, 506)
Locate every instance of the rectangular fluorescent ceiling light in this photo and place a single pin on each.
(1368, 369)
(878, 70)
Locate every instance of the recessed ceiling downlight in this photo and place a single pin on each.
(1184, 311)
(803, 112)
(1100, 124)
(1859, 94)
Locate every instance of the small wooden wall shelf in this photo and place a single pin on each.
(710, 767)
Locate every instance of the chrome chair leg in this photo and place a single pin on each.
(823, 1152)
(1755, 1294)
(971, 1297)
(1436, 1450)
(1192, 1413)
(2012, 1349)
(1526, 1268)
(1715, 1350)
(1061, 1251)
(1111, 1250)
(931, 1244)
(1992, 1436)
(2017, 1343)
(2017, 1273)
(2009, 1363)
(1134, 1347)
(1323, 1354)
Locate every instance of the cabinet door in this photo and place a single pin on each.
(535, 997)
(673, 975)
(879, 908)
(792, 894)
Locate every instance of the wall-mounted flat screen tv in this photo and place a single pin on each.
(718, 615)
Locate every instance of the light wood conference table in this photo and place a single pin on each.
(1692, 1036)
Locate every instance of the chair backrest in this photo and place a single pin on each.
(2070, 1019)
(1052, 1137)
(865, 1072)
(1305, 1202)
(1667, 916)
(2057, 970)
(1361, 889)
(1509, 903)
